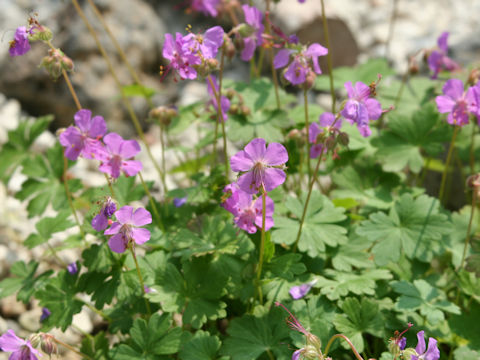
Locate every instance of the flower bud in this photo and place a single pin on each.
(245, 30)
(413, 67)
(229, 47)
(330, 142)
(473, 77)
(309, 80)
(34, 340)
(67, 63)
(163, 115)
(40, 33)
(234, 109)
(230, 93)
(314, 341)
(310, 352)
(212, 64)
(245, 110)
(408, 353)
(48, 345)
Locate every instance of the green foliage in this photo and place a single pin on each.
(414, 226)
(202, 346)
(319, 228)
(48, 226)
(138, 90)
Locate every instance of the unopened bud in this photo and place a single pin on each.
(245, 30)
(212, 64)
(59, 131)
(309, 80)
(293, 134)
(229, 47)
(55, 62)
(408, 353)
(230, 93)
(48, 345)
(245, 110)
(40, 33)
(34, 340)
(473, 77)
(330, 142)
(310, 352)
(67, 63)
(163, 114)
(413, 67)
(314, 341)
(343, 138)
(234, 109)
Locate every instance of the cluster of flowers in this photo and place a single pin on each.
(261, 169)
(398, 349)
(459, 103)
(87, 139)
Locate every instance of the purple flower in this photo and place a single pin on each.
(100, 221)
(438, 59)
(423, 354)
(262, 166)
(208, 7)
(326, 121)
(402, 343)
(254, 18)
(210, 42)
(360, 107)
(297, 353)
(178, 202)
(247, 211)
(114, 157)
(182, 55)
(84, 138)
(19, 45)
(298, 292)
(45, 314)
(147, 289)
(457, 102)
(20, 349)
(224, 102)
(72, 268)
(126, 228)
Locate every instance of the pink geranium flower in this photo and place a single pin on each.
(457, 102)
(262, 167)
(438, 59)
(254, 18)
(20, 349)
(116, 154)
(127, 228)
(84, 138)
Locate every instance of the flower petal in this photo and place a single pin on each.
(98, 127)
(420, 348)
(374, 109)
(82, 120)
(141, 217)
(282, 58)
(453, 88)
(326, 119)
(256, 149)
(118, 243)
(113, 141)
(276, 154)
(140, 235)
(273, 178)
(313, 132)
(445, 104)
(246, 182)
(432, 353)
(129, 148)
(100, 222)
(131, 167)
(442, 41)
(124, 215)
(10, 342)
(114, 229)
(241, 162)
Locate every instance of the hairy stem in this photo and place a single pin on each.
(70, 196)
(152, 203)
(447, 164)
(262, 247)
(71, 348)
(329, 56)
(469, 229)
(307, 129)
(140, 278)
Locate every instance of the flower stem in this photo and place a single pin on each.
(71, 89)
(94, 309)
(125, 99)
(152, 202)
(307, 129)
(329, 56)
(110, 186)
(469, 229)
(332, 339)
(262, 247)
(472, 151)
(71, 348)
(140, 278)
(70, 196)
(274, 72)
(218, 95)
(447, 164)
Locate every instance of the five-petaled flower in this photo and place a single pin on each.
(248, 211)
(115, 156)
(20, 349)
(361, 107)
(126, 229)
(84, 138)
(262, 166)
(457, 102)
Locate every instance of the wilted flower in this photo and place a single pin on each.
(254, 18)
(20, 349)
(304, 64)
(178, 202)
(438, 59)
(72, 268)
(100, 221)
(262, 166)
(360, 107)
(432, 353)
(457, 102)
(299, 291)
(83, 139)
(20, 44)
(325, 122)
(247, 211)
(114, 157)
(224, 102)
(126, 228)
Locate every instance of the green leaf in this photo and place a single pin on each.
(467, 325)
(286, 266)
(470, 284)
(338, 284)
(196, 291)
(48, 226)
(138, 90)
(127, 191)
(359, 318)
(251, 336)
(150, 339)
(319, 227)
(58, 296)
(365, 73)
(353, 254)
(408, 137)
(465, 353)
(202, 346)
(23, 281)
(96, 346)
(414, 226)
(430, 301)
